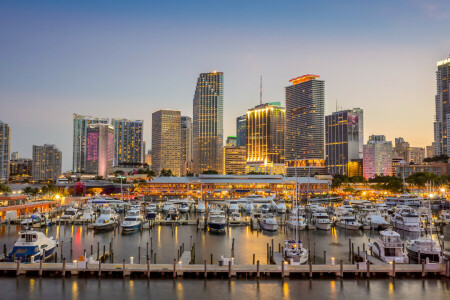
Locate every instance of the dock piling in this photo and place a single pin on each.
(257, 269)
(99, 269)
(148, 267)
(64, 267)
(174, 268)
(205, 272)
(229, 269)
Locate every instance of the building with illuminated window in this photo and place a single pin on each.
(344, 140)
(442, 102)
(208, 123)
(241, 131)
(166, 141)
(377, 157)
(128, 142)
(47, 163)
(5, 148)
(234, 160)
(100, 149)
(20, 169)
(231, 141)
(186, 145)
(265, 139)
(80, 125)
(305, 126)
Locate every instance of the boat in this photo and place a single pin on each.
(34, 218)
(249, 208)
(216, 220)
(135, 207)
(265, 208)
(70, 214)
(107, 220)
(296, 219)
(321, 221)
(388, 247)
(281, 208)
(444, 217)
(430, 251)
(234, 207)
(133, 221)
(406, 219)
(201, 207)
(172, 213)
(268, 222)
(32, 246)
(167, 206)
(404, 199)
(183, 208)
(87, 214)
(375, 220)
(294, 251)
(151, 212)
(347, 221)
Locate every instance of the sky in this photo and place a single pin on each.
(128, 59)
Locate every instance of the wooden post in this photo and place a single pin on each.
(310, 269)
(99, 269)
(4, 250)
(341, 268)
(139, 255)
(423, 267)
(147, 250)
(229, 269)
(40, 267)
(18, 268)
(353, 254)
(148, 267)
(211, 258)
(205, 274)
(123, 267)
(349, 250)
(64, 267)
(368, 268)
(393, 269)
(324, 257)
(62, 246)
(364, 247)
(92, 250)
(154, 258)
(271, 253)
(253, 258)
(282, 269)
(174, 268)
(257, 269)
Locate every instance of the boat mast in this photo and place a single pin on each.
(296, 201)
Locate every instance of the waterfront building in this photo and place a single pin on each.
(231, 141)
(15, 155)
(377, 157)
(344, 140)
(5, 148)
(80, 126)
(20, 205)
(436, 168)
(100, 149)
(234, 160)
(186, 144)
(128, 142)
(442, 105)
(208, 123)
(305, 126)
(166, 141)
(47, 163)
(241, 131)
(265, 139)
(20, 169)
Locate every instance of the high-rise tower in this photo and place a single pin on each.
(128, 142)
(5, 148)
(186, 145)
(442, 99)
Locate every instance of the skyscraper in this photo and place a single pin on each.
(344, 140)
(166, 141)
(377, 157)
(80, 125)
(241, 131)
(128, 142)
(208, 123)
(186, 144)
(442, 101)
(234, 160)
(231, 141)
(47, 162)
(305, 118)
(265, 138)
(100, 149)
(5, 148)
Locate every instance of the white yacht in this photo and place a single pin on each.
(70, 214)
(268, 222)
(297, 219)
(249, 208)
(445, 217)
(201, 207)
(347, 221)
(375, 220)
(167, 206)
(133, 221)
(406, 219)
(404, 199)
(388, 247)
(281, 208)
(265, 208)
(107, 219)
(294, 251)
(32, 246)
(151, 211)
(87, 214)
(321, 220)
(184, 208)
(429, 250)
(216, 220)
(234, 207)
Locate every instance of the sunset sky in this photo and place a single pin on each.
(130, 58)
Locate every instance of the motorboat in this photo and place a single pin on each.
(87, 214)
(321, 221)
(406, 219)
(295, 253)
(249, 208)
(429, 250)
(201, 207)
(167, 206)
(70, 214)
(133, 221)
(234, 207)
(34, 218)
(347, 222)
(32, 246)
(135, 207)
(404, 199)
(151, 212)
(281, 208)
(375, 220)
(268, 222)
(183, 208)
(172, 213)
(265, 208)
(107, 219)
(388, 247)
(216, 220)
(297, 220)
(444, 217)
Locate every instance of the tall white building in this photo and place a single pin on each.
(377, 157)
(128, 142)
(47, 163)
(442, 102)
(5, 148)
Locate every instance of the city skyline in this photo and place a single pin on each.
(67, 73)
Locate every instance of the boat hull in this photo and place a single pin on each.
(347, 226)
(268, 227)
(218, 227)
(323, 226)
(104, 227)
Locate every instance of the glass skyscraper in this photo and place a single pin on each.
(241, 131)
(305, 128)
(208, 123)
(442, 101)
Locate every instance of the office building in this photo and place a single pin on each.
(234, 160)
(186, 145)
(344, 140)
(241, 131)
(21, 167)
(231, 141)
(47, 163)
(208, 123)
(265, 139)
(80, 126)
(442, 104)
(377, 157)
(166, 141)
(5, 148)
(128, 142)
(305, 126)
(100, 149)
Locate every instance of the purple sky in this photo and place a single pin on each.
(130, 58)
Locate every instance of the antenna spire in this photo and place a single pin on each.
(260, 91)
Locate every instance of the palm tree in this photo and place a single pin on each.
(34, 192)
(4, 188)
(27, 190)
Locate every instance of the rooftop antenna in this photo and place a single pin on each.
(336, 106)
(260, 91)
